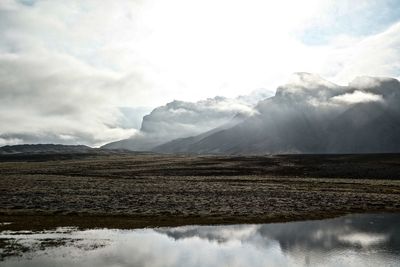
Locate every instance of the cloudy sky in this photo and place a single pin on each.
(69, 69)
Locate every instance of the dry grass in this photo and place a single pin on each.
(143, 190)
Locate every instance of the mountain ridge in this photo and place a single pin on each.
(312, 115)
(43, 148)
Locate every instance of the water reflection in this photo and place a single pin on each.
(357, 240)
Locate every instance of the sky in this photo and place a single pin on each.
(70, 69)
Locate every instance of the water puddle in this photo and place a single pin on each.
(354, 240)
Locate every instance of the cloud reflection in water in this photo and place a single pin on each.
(357, 240)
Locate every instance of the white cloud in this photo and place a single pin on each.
(357, 97)
(375, 55)
(67, 66)
(179, 119)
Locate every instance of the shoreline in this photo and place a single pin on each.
(82, 222)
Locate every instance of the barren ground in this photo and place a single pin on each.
(137, 190)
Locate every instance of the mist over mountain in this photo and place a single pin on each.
(179, 119)
(311, 115)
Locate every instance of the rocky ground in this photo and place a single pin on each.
(136, 190)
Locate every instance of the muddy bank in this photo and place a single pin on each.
(155, 190)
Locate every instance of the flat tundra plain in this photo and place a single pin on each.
(138, 190)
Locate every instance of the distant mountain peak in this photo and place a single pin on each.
(44, 148)
(311, 115)
(307, 115)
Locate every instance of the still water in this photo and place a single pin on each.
(355, 240)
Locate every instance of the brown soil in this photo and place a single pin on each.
(126, 190)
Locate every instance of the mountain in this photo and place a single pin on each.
(311, 115)
(44, 149)
(179, 145)
(180, 119)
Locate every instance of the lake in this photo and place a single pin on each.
(352, 240)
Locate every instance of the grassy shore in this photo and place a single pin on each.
(127, 190)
